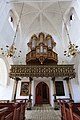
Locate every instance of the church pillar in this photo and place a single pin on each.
(54, 87)
(30, 82)
(16, 82)
(68, 84)
(29, 101)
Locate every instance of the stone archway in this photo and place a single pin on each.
(42, 93)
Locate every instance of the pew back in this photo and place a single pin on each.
(70, 111)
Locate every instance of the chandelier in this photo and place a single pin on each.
(10, 51)
(72, 48)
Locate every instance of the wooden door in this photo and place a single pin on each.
(42, 93)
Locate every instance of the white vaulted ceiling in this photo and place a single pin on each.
(40, 16)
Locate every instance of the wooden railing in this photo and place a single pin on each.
(31, 56)
(52, 55)
(49, 55)
(42, 71)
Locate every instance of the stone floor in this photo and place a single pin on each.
(43, 112)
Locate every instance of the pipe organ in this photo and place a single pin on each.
(42, 52)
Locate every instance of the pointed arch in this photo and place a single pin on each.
(42, 93)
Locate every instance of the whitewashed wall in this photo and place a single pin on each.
(51, 93)
(6, 38)
(6, 84)
(18, 96)
(33, 93)
(75, 83)
(6, 90)
(74, 33)
(6, 93)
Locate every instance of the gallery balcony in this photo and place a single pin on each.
(45, 58)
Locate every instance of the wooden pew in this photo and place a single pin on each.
(21, 100)
(28, 103)
(4, 116)
(64, 108)
(75, 111)
(22, 110)
(70, 111)
(2, 113)
(22, 103)
(4, 101)
(66, 100)
(9, 116)
(13, 109)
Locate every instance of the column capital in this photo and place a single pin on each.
(67, 78)
(17, 78)
(30, 78)
(53, 79)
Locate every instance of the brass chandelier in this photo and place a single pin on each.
(10, 51)
(72, 48)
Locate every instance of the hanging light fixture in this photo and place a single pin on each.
(11, 50)
(72, 48)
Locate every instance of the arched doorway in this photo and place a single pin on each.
(42, 93)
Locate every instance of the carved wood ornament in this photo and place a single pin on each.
(41, 47)
(42, 61)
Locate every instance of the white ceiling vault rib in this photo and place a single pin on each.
(50, 23)
(20, 2)
(31, 12)
(41, 10)
(26, 29)
(41, 22)
(54, 12)
(49, 4)
(34, 1)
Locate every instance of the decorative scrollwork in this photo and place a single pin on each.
(42, 71)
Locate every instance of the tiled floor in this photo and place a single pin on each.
(43, 112)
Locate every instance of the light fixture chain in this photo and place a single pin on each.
(67, 31)
(64, 23)
(18, 22)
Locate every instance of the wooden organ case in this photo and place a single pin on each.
(41, 50)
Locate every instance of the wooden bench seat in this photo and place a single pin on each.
(69, 111)
(4, 115)
(12, 108)
(21, 100)
(75, 111)
(4, 101)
